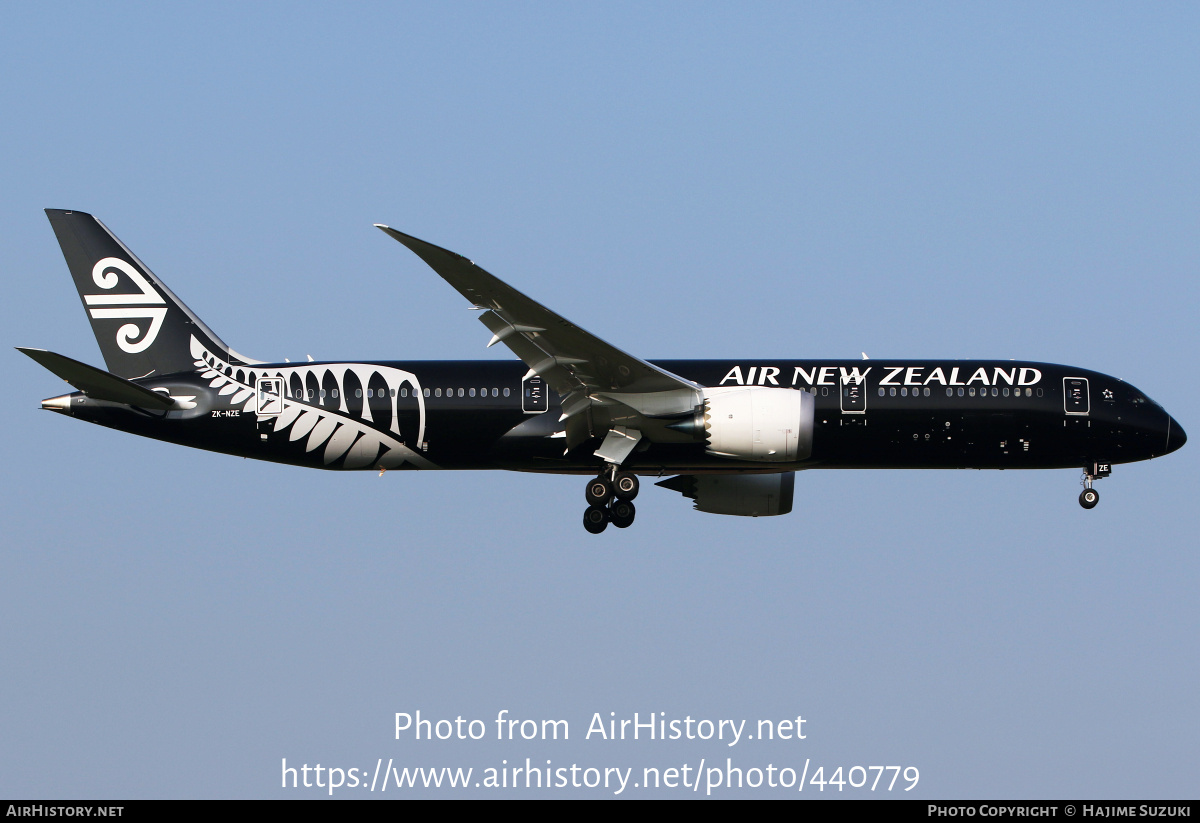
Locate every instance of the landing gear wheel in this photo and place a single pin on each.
(1088, 498)
(626, 486)
(622, 514)
(599, 491)
(595, 519)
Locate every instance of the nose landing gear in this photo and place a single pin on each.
(609, 498)
(1089, 497)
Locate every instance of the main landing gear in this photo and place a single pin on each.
(610, 500)
(1089, 497)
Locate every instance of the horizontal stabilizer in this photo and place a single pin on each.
(97, 383)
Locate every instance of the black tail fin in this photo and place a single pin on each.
(142, 328)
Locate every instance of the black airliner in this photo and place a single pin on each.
(729, 434)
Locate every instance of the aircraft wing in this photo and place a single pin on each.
(578, 365)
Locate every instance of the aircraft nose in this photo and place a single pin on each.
(1176, 436)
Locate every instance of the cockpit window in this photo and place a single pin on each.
(1139, 399)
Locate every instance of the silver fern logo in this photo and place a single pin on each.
(127, 306)
(382, 435)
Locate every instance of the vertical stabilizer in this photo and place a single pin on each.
(142, 328)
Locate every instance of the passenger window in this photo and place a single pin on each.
(472, 392)
(437, 392)
(506, 391)
(426, 392)
(881, 391)
(926, 391)
(960, 392)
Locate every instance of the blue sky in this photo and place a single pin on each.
(684, 180)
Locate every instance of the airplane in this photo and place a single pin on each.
(728, 434)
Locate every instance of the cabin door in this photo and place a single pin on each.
(270, 396)
(1075, 395)
(533, 395)
(854, 396)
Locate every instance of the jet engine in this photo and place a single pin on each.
(759, 423)
(747, 495)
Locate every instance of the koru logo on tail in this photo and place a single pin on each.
(127, 306)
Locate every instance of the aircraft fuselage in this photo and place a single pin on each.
(492, 415)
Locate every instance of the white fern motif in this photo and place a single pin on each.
(363, 441)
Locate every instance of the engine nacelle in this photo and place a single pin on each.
(746, 495)
(759, 423)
